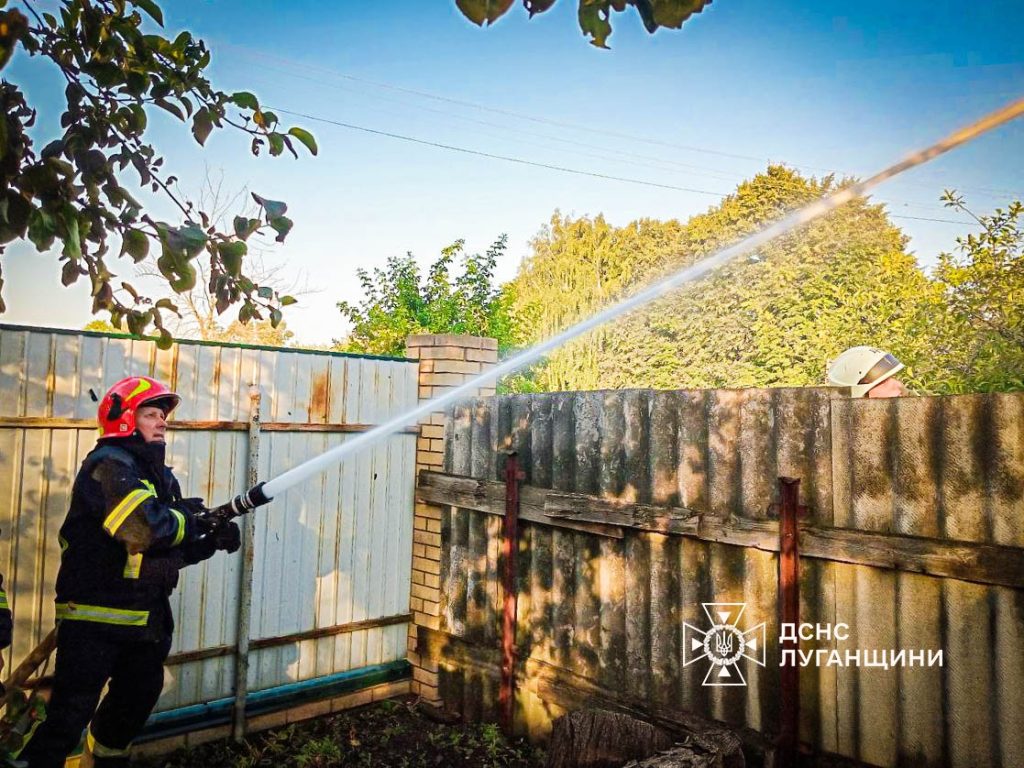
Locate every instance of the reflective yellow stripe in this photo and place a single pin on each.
(141, 387)
(128, 505)
(99, 750)
(181, 528)
(102, 615)
(133, 566)
(4, 605)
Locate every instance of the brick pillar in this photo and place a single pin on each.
(446, 361)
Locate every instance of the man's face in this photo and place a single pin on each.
(151, 422)
(891, 387)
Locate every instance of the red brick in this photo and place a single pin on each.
(481, 355)
(453, 366)
(421, 340)
(426, 593)
(424, 677)
(423, 537)
(425, 620)
(428, 510)
(427, 566)
(445, 353)
(441, 379)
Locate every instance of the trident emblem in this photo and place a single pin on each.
(724, 644)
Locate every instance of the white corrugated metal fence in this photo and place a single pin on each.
(330, 583)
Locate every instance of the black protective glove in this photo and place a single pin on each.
(228, 537)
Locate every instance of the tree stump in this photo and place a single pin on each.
(683, 756)
(594, 738)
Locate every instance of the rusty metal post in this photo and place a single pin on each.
(789, 613)
(510, 605)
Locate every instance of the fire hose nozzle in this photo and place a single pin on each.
(240, 505)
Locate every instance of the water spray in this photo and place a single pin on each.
(264, 492)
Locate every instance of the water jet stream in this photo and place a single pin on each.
(267, 491)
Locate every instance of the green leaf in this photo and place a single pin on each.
(69, 273)
(41, 229)
(185, 280)
(245, 100)
(164, 341)
(72, 242)
(276, 144)
(231, 255)
(282, 225)
(671, 13)
(245, 227)
(482, 12)
(152, 9)
(306, 138)
(172, 108)
(265, 292)
(202, 125)
(274, 208)
(288, 301)
(537, 6)
(594, 23)
(135, 244)
(167, 304)
(193, 239)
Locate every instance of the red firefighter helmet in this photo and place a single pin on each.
(117, 409)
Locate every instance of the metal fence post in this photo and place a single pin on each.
(789, 613)
(245, 578)
(509, 547)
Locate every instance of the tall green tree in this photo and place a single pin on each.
(458, 295)
(578, 266)
(118, 67)
(775, 318)
(981, 344)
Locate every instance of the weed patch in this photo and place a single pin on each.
(389, 734)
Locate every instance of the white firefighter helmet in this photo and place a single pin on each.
(862, 368)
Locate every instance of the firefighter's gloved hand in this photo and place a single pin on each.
(228, 537)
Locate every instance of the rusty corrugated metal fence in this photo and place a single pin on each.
(330, 587)
(606, 612)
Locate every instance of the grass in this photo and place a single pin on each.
(389, 734)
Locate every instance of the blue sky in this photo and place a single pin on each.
(820, 85)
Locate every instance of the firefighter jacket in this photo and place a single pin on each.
(126, 535)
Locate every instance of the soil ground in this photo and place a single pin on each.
(389, 734)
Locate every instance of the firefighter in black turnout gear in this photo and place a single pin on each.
(126, 535)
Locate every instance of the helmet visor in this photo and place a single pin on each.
(165, 403)
(880, 369)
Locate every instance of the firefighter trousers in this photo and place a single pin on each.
(89, 655)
